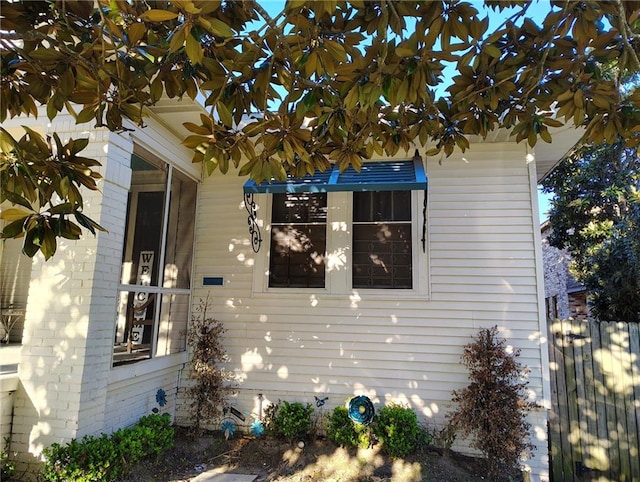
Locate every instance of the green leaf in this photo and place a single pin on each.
(194, 49)
(14, 229)
(48, 243)
(219, 28)
(225, 114)
(492, 51)
(155, 15)
(7, 142)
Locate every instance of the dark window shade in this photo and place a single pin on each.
(382, 206)
(299, 208)
(298, 241)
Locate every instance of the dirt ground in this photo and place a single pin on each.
(318, 460)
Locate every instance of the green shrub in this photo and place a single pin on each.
(7, 467)
(158, 434)
(344, 432)
(397, 429)
(288, 420)
(104, 458)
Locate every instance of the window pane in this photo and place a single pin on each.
(134, 328)
(174, 313)
(298, 240)
(299, 208)
(180, 231)
(143, 235)
(297, 256)
(152, 322)
(382, 256)
(382, 206)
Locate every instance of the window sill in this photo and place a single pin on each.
(146, 367)
(357, 293)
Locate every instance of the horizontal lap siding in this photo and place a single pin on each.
(294, 346)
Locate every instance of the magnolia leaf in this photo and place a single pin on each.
(194, 141)
(48, 242)
(7, 142)
(14, 229)
(194, 49)
(15, 213)
(177, 39)
(220, 28)
(225, 114)
(492, 51)
(155, 15)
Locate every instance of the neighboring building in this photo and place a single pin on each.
(352, 290)
(564, 296)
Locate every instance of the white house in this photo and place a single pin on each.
(352, 290)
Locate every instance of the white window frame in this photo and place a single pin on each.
(159, 288)
(338, 264)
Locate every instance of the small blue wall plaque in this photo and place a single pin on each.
(212, 281)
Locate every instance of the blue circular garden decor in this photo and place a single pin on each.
(257, 429)
(228, 428)
(361, 410)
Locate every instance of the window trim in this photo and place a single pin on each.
(338, 277)
(159, 289)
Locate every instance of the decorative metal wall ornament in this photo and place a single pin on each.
(361, 410)
(424, 223)
(254, 229)
(228, 428)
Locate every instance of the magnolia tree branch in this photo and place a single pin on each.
(627, 34)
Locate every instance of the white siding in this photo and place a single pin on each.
(482, 268)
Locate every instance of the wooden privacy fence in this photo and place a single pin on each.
(594, 424)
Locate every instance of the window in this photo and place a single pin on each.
(344, 230)
(298, 240)
(382, 256)
(154, 294)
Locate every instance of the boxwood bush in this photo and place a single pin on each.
(102, 458)
(288, 420)
(397, 429)
(344, 432)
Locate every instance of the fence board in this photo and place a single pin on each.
(594, 423)
(609, 396)
(634, 355)
(626, 375)
(604, 444)
(562, 463)
(572, 392)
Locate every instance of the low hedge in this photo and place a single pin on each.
(107, 458)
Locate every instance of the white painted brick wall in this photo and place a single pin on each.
(67, 384)
(68, 333)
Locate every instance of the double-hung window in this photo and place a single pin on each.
(154, 291)
(346, 231)
(298, 240)
(382, 240)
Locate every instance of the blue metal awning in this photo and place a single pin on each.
(395, 175)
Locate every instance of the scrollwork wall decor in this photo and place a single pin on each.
(254, 229)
